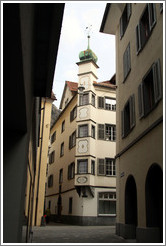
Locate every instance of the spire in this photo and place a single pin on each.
(88, 54)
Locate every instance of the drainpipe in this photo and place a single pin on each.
(40, 162)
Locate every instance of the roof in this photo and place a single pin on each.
(106, 84)
(73, 86)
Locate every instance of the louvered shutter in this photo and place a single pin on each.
(100, 102)
(128, 11)
(157, 81)
(138, 38)
(140, 100)
(101, 167)
(132, 111)
(100, 131)
(122, 124)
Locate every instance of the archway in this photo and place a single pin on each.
(154, 198)
(131, 202)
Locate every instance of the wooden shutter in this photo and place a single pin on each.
(126, 61)
(132, 111)
(100, 102)
(101, 167)
(100, 131)
(140, 100)
(157, 81)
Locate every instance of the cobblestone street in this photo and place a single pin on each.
(59, 233)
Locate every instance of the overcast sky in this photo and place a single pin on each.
(77, 16)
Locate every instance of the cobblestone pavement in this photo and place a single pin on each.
(59, 233)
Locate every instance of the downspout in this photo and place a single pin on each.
(40, 162)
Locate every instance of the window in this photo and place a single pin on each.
(49, 204)
(73, 114)
(50, 181)
(145, 26)
(93, 100)
(63, 126)
(150, 90)
(70, 205)
(106, 167)
(126, 62)
(110, 104)
(83, 131)
(62, 149)
(72, 140)
(53, 137)
(124, 20)
(82, 166)
(161, 7)
(107, 103)
(107, 203)
(60, 176)
(84, 99)
(51, 157)
(107, 132)
(93, 131)
(71, 170)
(93, 167)
(128, 116)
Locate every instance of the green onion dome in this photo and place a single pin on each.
(87, 55)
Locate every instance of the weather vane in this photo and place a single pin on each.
(88, 31)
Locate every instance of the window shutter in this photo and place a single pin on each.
(101, 167)
(121, 27)
(132, 111)
(157, 81)
(122, 123)
(140, 100)
(125, 64)
(128, 58)
(152, 15)
(138, 39)
(100, 102)
(70, 142)
(100, 131)
(128, 11)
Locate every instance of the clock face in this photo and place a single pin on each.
(85, 82)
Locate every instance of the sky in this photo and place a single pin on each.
(77, 16)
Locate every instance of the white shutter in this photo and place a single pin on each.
(140, 100)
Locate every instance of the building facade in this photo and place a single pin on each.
(138, 28)
(81, 184)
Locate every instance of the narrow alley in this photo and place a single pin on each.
(60, 233)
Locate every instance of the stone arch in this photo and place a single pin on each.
(131, 201)
(154, 198)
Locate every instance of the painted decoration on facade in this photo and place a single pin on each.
(83, 146)
(83, 113)
(82, 180)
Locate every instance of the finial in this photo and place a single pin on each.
(88, 30)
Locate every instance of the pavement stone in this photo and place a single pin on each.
(62, 233)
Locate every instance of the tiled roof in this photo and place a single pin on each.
(73, 86)
(105, 84)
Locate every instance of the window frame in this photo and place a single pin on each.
(125, 18)
(62, 150)
(93, 131)
(71, 171)
(73, 113)
(93, 167)
(50, 181)
(93, 99)
(52, 157)
(86, 167)
(156, 84)
(86, 135)
(102, 167)
(128, 121)
(63, 126)
(53, 137)
(61, 176)
(109, 199)
(82, 101)
(102, 135)
(150, 8)
(72, 143)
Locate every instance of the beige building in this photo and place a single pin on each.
(138, 28)
(81, 185)
(31, 33)
(35, 212)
